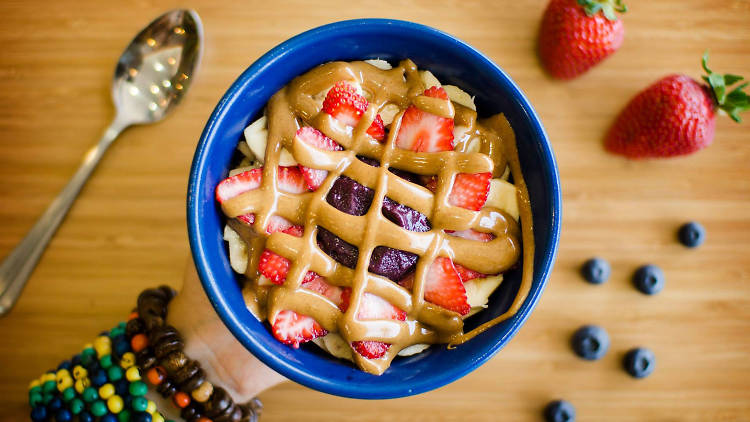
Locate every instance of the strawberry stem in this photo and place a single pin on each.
(607, 7)
(732, 101)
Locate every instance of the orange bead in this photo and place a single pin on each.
(139, 342)
(133, 315)
(181, 399)
(204, 419)
(156, 375)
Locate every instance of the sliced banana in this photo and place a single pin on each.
(237, 250)
(503, 196)
(413, 349)
(243, 168)
(506, 173)
(457, 95)
(337, 346)
(479, 290)
(245, 150)
(388, 112)
(256, 137)
(429, 79)
(380, 64)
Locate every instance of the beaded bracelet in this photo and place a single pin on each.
(103, 383)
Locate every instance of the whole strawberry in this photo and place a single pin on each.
(574, 35)
(676, 115)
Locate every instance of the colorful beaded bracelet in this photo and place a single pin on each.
(104, 383)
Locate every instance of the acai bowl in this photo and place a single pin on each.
(451, 62)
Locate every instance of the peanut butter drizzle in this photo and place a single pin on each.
(299, 103)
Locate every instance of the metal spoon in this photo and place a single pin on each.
(151, 77)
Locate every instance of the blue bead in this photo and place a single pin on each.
(39, 414)
(590, 342)
(54, 405)
(108, 418)
(85, 417)
(140, 417)
(691, 234)
(76, 360)
(596, 270)
(649, 279)
(128, 400)
(99, 378)
(120, 347)
(559, 411)
(121, 387)
(639, 362)
(64, 365)
(63, 415)
(119, 337)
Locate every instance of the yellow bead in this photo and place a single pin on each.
(132, 374)
(151, 408)
(81, 385)
(79, 372)
(157, 417)
(127, 360)
(34, 383)
(106, 391)
(103, 346)
(115, 404)
(63, 373)
(64, 383)
(48, 377)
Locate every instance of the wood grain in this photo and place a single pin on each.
(127, 231)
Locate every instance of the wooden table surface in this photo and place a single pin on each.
(127, 230)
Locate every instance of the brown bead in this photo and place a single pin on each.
(174, 361)
(226, 415)
(145, 359)
(166, 388)
(255, 405)
(165, 331)
(190, 412)
(194, 382)
(186, 372)
(218, 402)
(167, 345)
(134, 326)
(168, 291)
(203, 392)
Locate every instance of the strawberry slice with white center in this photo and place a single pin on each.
(470, 190)
(464, 273)
(309, 135)
(291, 180)
(346, 105)
(443, 286)
(421, 131)
(237, 185)
(293, 329)
(272, 265)
(319, 285)
(372, 308)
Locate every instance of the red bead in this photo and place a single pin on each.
(181, 399)
(156, 375)
(139, 342)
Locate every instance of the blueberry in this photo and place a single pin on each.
(692, 234)
(649, 279)
(590, 342)
(559, 411)
(595, 270)
(639, 362)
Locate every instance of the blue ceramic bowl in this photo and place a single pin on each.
(452, 61)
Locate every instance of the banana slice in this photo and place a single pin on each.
(457, 95)
(256, 137)
(478, 292)
(337, 346)
(380, 64)
(503, 196)
(506, 173)
(237, 250)
(413, 349)
(388, 112)
(428, 79)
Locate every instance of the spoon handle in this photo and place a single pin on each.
(16, 268)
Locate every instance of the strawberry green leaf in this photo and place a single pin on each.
(730, 79)
(607, 7)
(736, 101)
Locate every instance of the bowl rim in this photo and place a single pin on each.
(213, 290)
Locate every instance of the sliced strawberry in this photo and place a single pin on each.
(372, 308)
(294, 230)
(470, 190)
(293, 329)
(319, 285)
(291, 180)
(273, 266)
(309, 135)
(371, 349)
(237, 185)
(430, 183)
(344, 103)
(443, 286)
(279, 224)
(466, 274)
(425, 132)
(472, 235)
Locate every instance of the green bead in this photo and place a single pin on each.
(106, 361)
(47, 397)
(90, 394)
(116, 332)
(88, 351)
(139, 404)
(124, 416)
(36, 389)
(76, 406)
(121, 325)
(138, 388)
(114, 373)
(68, 394)
(35, 398)
(49, 386)
(87, 360)
(98, 408)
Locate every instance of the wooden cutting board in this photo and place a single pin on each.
(127, 231)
